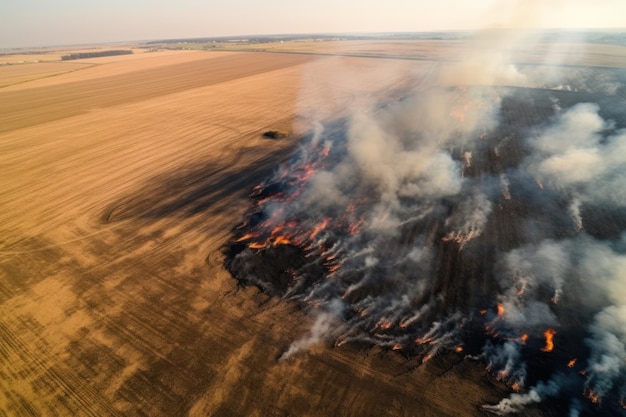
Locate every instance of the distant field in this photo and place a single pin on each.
(17, 74)
(122, 179)
(450, 50)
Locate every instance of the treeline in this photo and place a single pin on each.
(83, 55)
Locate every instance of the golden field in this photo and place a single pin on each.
(122, 180)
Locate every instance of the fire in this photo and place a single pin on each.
(500, 308)
(325, 150)
(247, 236)
(421, 341)
(428, 357)
(502, 375)
(458, 349)
(354, 228)
(257, 245)
(516, 386)
(281, 240)
(384, 324)
(317, 229)
(522, 339)
(571, 363)
(397, 346)
(549, 335)
(595, 398)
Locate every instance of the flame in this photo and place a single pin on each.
(549, 335)
(424, 341)
(246, 237)
(516, 386)
(595, 398)
(317, 229)
(502, 375)
(257, 245)
(397, 346)
(354, 228)
(571, 363)
(325, 150)
(281, 240)
(384, 324)
(460, 237)
(522, 339)
(458, 349)
(500, 308)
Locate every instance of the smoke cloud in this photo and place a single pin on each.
(470, 206)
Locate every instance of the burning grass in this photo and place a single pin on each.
(427, 273)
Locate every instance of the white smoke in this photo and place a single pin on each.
(326, 325)
(517, 402)
(401, 173)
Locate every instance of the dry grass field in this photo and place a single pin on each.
(122, 179)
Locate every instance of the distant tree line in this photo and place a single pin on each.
(83, 55)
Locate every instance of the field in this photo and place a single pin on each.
(123, 178)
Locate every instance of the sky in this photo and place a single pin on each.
(25, 23)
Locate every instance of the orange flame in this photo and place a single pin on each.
(384, 324)
(317, 229)
(502, 375)
(257, 245)
(397, 346)
(421, 341)
(500, 309)
(516, 386)
(246, 237)
(354, 228)
(458, 349)
(571, 363)
(595, 398)
(325, 150)
(281, 240)
(549, 335)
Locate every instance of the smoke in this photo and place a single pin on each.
(326, 323)
(448, 210)
(517, 402)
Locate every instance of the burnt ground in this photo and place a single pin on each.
(465, 277)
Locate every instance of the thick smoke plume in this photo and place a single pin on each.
(473, 207)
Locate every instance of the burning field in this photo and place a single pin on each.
(479, 208)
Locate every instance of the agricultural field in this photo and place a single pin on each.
(124, 178)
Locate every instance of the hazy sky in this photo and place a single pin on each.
(46, 22)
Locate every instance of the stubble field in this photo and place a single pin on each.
(122, 181)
